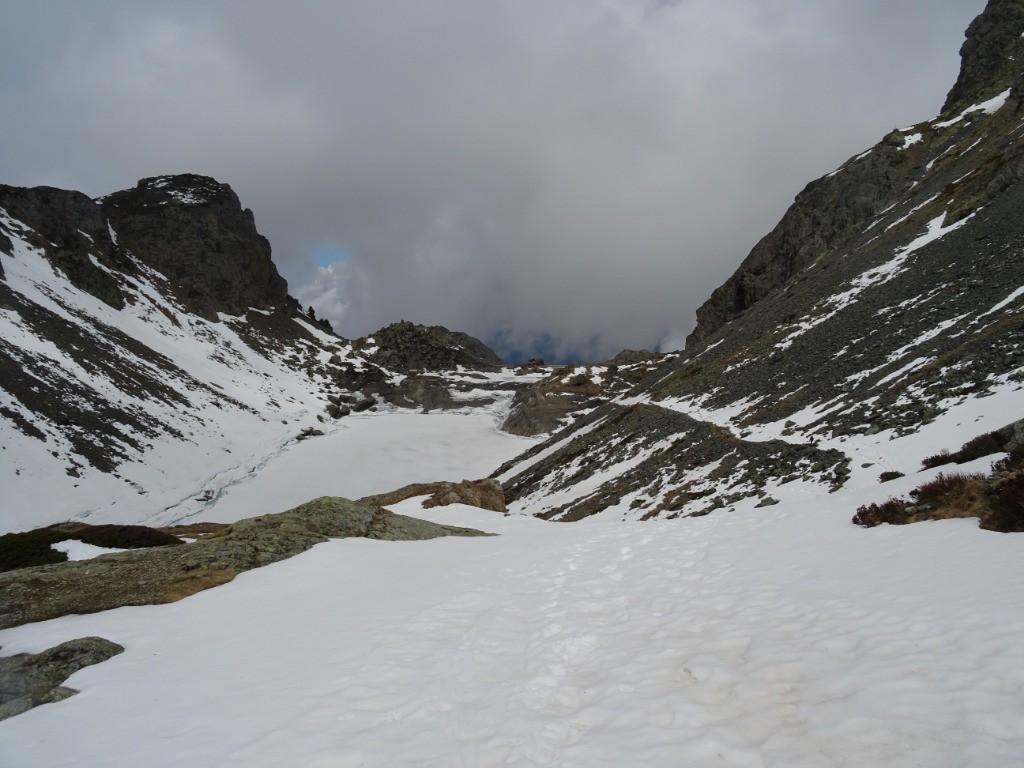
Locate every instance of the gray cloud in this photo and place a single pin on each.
(575, 176)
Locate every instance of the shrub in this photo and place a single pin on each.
(943, 488)
(982, 445)
(1006, 500)
(31, 548)
(885, 477)
(1014, 462)
(893, 511)
(126, 536)
(940, 458)
(975, 448)
(23, 550)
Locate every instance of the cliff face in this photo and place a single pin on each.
(991, 56)
(829, 214)
(194, 231)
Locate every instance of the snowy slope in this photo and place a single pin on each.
(185, 405)
(777, 637)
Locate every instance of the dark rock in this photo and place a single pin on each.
(28, 680)
(72, 233)
(427, 392)
(364, 404)
(194, 230)
(407, 348)
(992, 56)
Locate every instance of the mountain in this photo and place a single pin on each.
(150, 354)
(887, 298)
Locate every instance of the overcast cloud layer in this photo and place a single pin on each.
(564, 177)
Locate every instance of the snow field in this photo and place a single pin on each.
(781, 637)
(368, 454)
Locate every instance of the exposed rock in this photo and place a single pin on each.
(536, 412)
(633, 356)
(828, 218)
(659, 455)
(194, 230)
(485, 494)
(163, 575)
(427, 392)
(407, 347)
(72, 232)
(992, 56)
(563, 395)
(28, 680)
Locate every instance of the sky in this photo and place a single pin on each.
(557, 177)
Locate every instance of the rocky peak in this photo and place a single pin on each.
(830, 214)
(194, 230)
(992, 56)
(406, 347)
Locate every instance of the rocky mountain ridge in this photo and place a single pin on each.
(890, 296)
(150, 329)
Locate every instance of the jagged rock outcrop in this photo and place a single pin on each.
(409, 347)
(193, 230)
(167, 574)
(829, 215)
(991, 55)
(30, 679)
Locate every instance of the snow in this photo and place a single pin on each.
(781, 636)
(777, 637)
(79, 550)
(911, 140)
(368, 454)
(989, 107)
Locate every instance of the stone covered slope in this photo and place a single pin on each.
(890, 293)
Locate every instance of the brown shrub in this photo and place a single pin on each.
(938, 460)
(982, 445)
(126, 536)
(1006, 501)
(975, 448)
(885, 477)
(943, 489)
(1014, 462)
(893, 511)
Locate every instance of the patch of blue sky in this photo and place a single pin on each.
(325, 254)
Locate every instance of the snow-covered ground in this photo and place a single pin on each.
(373, 453)
(781, 636)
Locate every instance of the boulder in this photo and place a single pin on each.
(30, 679)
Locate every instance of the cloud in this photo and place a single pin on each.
(574, 176)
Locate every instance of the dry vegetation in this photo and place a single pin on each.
(996, 499)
